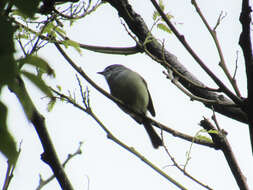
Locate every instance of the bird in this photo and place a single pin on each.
(130, 88)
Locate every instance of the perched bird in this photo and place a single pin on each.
(129, 87)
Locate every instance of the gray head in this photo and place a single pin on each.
(112, 69)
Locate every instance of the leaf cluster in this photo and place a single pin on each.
(12, 68)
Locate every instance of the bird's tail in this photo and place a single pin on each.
(155, 139)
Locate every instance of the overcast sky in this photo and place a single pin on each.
(105, 165)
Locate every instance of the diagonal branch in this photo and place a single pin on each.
(137, 25)
(197, 58)
(221, 141)
(217, 44)
(155, 123)
(49, 156)
(87, 109)
(44, 182)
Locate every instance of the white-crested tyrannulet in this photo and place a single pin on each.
(129, 87)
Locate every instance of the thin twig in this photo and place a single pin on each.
(49, 156)
(217, 44)
(236, 64)
(100, 49)
(174, 80)
(10, 170)
(73, 13)
(216, 121)
(220, 18)
(181, 38)
(43, 182)
(183, 169)
(119, 142)
(221, 141)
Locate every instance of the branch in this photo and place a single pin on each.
(174, 80)
(74, 11)
(10, 171)
(139, 28)
(220, 140)
(155, 123)
(197, 58)
(49, 156)
(87, 109)
(246, 45)
(112, 50)
(217, 44)
(43, 182)
(183, 170)
(99, 49)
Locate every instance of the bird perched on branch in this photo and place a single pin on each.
(129, 87)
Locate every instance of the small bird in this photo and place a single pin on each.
(129, 87)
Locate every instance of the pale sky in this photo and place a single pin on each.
(105, 164)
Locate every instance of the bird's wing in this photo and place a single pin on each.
(150, 105)
(151, 108)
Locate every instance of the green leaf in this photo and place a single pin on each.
(19, 89)
(38, 82)
(17, 12)
(27, 7)
(213, 131)
(161, 5)
(59, 87)
(164, 28)
(49, 28)
(7, 50)
(155, 15)
(7, 143)
(169, 16)
(51, 104)
(72, 21)
(201, 137)
(73, 44)
(39, 63)
(23, 36)
(202, 131)
(61, 31)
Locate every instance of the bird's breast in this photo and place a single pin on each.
(131, 89)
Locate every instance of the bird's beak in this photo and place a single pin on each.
(101, 73)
